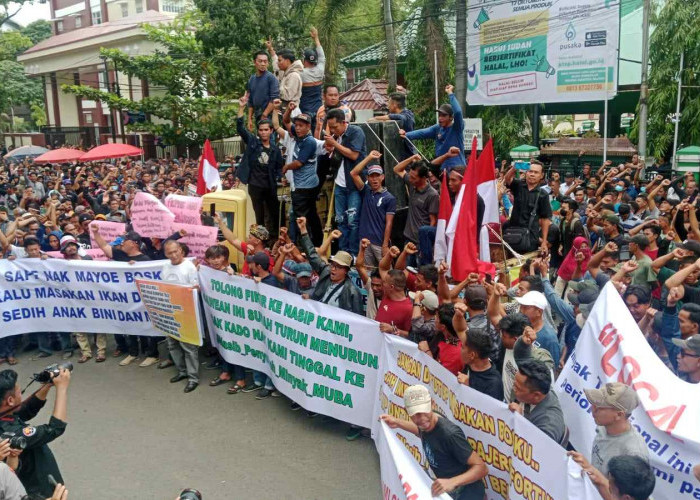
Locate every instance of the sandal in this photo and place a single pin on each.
(218, 381)
(84, 358)
(100, 359)
(11, 361)
(234, 389)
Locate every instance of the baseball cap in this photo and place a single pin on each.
(303, 270)
(691, 343)
(67, 240)
(259, 258)
(259, 232)
(691, 245)
(533, 298)
(310, 55)
(303, 117)
(342, 259)
(585, 296)
(100, 217)
(132, 236)
(579, 286)
(614, 395)
(446, 109)
(416, 399)
(84, 217)
(639, 239)
(118, 241)
(375, 169)
(476, 297)
(430, 300)
(613, 219)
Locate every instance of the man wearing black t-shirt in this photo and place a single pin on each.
(129, 251)
(478, 372)
(458, 469)
(528, 197)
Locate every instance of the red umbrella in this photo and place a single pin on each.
(113, 150)
(61, 155)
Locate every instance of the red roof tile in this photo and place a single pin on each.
(368, 94)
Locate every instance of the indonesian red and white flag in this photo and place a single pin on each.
(208, 178)
(486, 187)
(440, 249)
(461, 230)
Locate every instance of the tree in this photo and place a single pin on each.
(12, 44)
(676, 30)
(37, 31)
(186, 110)
(8, 10)
(15, 87)
(508, 126)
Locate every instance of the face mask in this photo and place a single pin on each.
(644, 189)
(618, 188)
(563, 212)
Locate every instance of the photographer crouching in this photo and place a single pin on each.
(36, 462)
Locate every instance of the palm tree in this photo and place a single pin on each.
(331, 20)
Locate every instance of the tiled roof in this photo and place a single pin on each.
(368, 94)
(96, 30)
(619, 146)
(375, 54)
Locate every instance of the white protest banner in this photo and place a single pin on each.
(525, 52)
(324, 358)
(185, 208)
(93, 253)
(149, 217)
(611, 348)
(109, 231)
(198, 237)
(473, 127)
(73, 296)
(523, 462)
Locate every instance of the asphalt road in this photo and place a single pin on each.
(132, 434)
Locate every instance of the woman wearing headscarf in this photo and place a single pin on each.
(578, 257)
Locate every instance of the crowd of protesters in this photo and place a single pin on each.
(601, 223)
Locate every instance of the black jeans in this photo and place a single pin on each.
(130, 344)
(265, 205)
(304, 204)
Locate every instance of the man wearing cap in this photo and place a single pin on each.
(260, 169)
(612, 405)
(347, 141)
(257, 236)
(425, 305)
(83, 229)
(312, 76)
(293, 276)
(303, 167)
(448, 132)
(334, 286)
(378, 208)
(688, 359)
(532, 305)
(678, 324)
(458, 469)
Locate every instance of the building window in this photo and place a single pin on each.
(88, 118)
(125, 9)
(78, 21)
(59, 26)
(175, 6)
(139, 6)
(97, 16)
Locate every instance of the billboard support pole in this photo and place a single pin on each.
(605, 126)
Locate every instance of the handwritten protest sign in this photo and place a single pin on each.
(149, 217)
(198, 238)
(109, 231)
(185, 208)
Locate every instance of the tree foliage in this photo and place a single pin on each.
(8, 10)
(677, 30)
(37, 31)
(181, 77)
(16, 87)
(508, 126)
(12, 44)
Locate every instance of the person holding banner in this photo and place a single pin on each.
(458, 469)
(688, 358)
(185, 356)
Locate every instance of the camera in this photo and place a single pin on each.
(16, 442)
(52, 371)
(190, 494)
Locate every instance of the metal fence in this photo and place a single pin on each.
(222, 149)
(86, 137)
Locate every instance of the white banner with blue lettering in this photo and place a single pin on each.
(74, 296)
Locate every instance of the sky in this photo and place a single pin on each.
(31, 12)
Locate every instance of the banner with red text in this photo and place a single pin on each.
(611, 348)
(523, 462)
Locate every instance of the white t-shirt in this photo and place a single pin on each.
(510, 368)
(10, 486)
(184, 273)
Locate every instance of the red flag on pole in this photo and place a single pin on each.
(208, 178)
(464, 255)
(486, 188)
(440, 249)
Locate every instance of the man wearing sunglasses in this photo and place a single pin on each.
(689, 358)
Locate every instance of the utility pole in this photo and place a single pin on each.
(390, 46)
(461, 53)
(644, 91)
(111, 111)
(677, 116)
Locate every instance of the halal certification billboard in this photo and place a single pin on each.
(536, 51)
